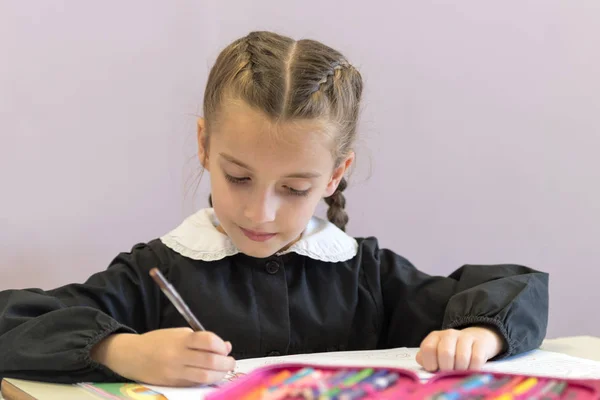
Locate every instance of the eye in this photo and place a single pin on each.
(236, 180)
(295, 192)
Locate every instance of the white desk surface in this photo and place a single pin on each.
(578, 346)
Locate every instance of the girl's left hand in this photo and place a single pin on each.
(463, 349)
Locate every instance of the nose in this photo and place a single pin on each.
(261, 207)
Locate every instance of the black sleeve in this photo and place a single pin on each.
(48, 335)
(513, 299)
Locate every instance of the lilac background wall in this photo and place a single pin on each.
(480, 127)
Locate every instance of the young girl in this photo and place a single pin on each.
(263, 275)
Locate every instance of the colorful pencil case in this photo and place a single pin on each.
(304, 381)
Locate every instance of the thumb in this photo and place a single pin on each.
(419, 358)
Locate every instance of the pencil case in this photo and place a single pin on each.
(306, 381)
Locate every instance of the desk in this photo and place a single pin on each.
(578, 346)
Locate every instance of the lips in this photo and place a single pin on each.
(257, 236)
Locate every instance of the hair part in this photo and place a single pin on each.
(290, 80)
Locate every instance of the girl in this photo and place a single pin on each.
(259, 271)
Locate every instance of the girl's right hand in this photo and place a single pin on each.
(166, 357)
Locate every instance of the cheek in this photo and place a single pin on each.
(299, 211)
(222, 194)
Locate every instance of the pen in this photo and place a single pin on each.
(176, 299)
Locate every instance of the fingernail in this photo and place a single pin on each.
(229, 347)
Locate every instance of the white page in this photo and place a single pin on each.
(398, 358)
(173, 393)
(189, 393)
(547, 363)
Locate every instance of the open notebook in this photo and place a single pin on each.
(538, 362)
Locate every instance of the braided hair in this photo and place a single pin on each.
(337, 202)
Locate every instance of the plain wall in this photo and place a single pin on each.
(479, 134)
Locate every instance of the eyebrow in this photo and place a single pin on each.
(302, 175)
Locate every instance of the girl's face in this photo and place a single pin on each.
(267, 178)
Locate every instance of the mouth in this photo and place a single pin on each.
(257, 236)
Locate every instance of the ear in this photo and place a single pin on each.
(338, 174)
(202, 144)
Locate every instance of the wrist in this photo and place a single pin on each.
(495, 336)
(114, 350)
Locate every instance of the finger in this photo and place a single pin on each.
(478, 355)
(207, 341)
(446, 350)
(419, 358)
(429, 351)
(462, 358)
(210, 361)
(202, 376)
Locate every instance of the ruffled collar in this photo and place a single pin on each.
(198, 238)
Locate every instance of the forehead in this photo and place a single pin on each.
(249, 134)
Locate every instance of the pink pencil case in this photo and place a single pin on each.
(443, 386)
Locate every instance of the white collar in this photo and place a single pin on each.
(198, 238)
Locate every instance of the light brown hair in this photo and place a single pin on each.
(288, 80)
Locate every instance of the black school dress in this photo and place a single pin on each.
(327, 292)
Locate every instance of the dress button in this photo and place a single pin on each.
(274, 354)
(272, 267)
